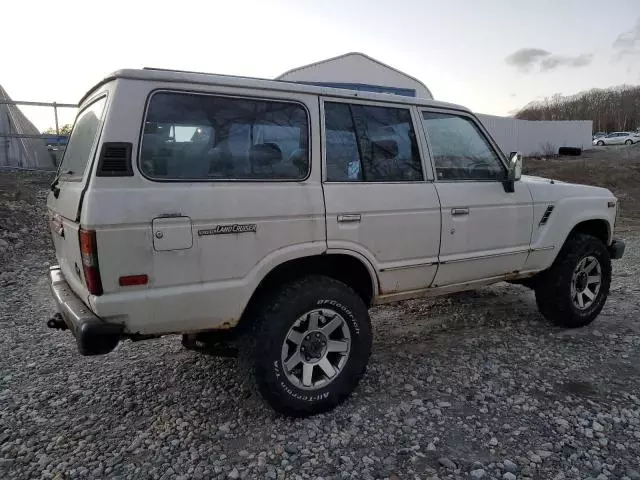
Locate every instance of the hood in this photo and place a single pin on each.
(534, 179)
(548, 190)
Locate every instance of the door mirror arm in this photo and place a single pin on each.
(514, 172)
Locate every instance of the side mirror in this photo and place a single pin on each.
(514, 171)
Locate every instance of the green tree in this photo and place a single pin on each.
(64, 130)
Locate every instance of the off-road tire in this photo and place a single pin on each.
(553, 288)
(260, 351)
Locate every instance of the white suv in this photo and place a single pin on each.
(269, 216)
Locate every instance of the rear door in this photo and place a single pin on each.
(68, 188)
(380, 199)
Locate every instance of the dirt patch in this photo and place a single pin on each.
(615, 168)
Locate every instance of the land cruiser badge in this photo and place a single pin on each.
(234, 228)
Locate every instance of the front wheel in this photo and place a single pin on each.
(600, 143)
(309, 347)
(575, 288)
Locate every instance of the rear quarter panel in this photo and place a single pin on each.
(206, 286)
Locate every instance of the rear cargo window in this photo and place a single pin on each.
(83, 136)
(204, 137)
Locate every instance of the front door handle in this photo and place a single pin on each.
(459, 211)
(349, 218)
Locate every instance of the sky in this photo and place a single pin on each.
(493, 56)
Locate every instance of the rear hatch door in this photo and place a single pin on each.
(68, 188)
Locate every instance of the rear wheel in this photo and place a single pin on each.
(628, 142)
(309, 347)
(574, 290)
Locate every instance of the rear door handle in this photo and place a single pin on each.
(459, 211)
(350, 218)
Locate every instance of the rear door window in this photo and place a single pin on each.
(205, 137)
(366, 143)
(83, 136)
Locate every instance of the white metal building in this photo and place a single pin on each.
(361, 72)
(537, 137)
(358, 71)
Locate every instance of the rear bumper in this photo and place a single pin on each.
(616, 249)
(93, 335)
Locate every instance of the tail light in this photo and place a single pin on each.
(89, 251)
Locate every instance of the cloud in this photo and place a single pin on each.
(628, 42)
(527, 58)
(555, 61)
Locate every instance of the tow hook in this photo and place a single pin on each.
(57, 322)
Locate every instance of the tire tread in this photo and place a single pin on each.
(265, 319)
(552, 297)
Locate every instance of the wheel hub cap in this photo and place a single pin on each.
(313, 346)
(581, 282)
(316, 349)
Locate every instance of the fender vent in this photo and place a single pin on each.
(115, 160)
(547, 214)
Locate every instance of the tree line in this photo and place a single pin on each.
(611, 109)
(64, 130)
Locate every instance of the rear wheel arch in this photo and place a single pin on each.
(348, 269)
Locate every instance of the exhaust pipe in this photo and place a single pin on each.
(57, 322)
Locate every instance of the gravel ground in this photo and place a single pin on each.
(475, 385)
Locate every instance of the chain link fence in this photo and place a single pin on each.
(22, 145)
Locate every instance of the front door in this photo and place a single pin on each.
(380, 199)
(486, 231)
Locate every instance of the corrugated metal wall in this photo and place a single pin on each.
(537, 138)
(21, 152)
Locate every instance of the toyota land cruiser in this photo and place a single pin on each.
(276, 214)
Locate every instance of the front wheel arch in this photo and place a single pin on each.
(598, 228)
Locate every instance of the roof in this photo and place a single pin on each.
(360, 54)
(197, 78)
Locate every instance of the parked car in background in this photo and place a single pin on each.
(617, 138)
(598, 135)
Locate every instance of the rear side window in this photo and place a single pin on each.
(83, 136)
(370, 144)
(204, 137)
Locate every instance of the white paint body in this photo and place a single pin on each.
(406, 235)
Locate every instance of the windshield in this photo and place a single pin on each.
(76, 155)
